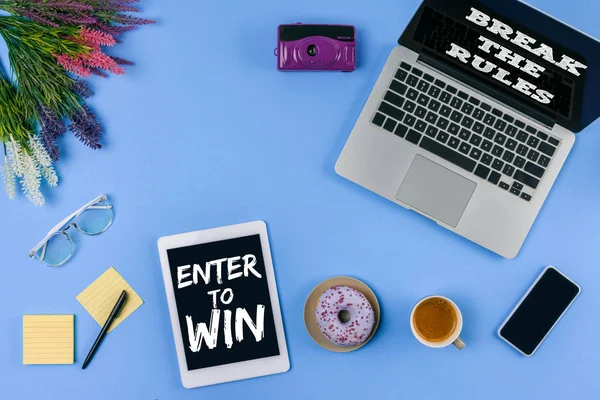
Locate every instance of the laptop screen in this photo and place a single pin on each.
(535, 61)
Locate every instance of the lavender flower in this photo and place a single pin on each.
(129, 20)
(109, 16)
(82, 89)
(116, 7)
(52, 127)
(67, 5)
(35, 16)
(86, 127)
(107, 28)
(122, 28)
(71, 18)
(98, 72)
(121, 61)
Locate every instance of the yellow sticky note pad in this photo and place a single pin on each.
(100, 297)
(48, 339)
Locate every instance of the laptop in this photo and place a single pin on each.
(474, 115)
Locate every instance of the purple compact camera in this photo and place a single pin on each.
(316, 47)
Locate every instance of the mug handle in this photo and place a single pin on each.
(459, 343)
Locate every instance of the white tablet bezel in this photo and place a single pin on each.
(239, 370)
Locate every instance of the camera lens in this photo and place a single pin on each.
(312, 50)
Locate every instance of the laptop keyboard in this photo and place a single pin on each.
(466, 131)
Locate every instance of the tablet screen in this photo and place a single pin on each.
(223, 302)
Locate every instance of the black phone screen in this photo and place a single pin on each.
(539, 311)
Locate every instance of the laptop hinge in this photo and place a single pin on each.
(486, 89)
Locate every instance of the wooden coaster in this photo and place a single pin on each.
(310, 319)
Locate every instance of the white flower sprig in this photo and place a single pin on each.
(29, 169)
(10, 180)
(43, 160)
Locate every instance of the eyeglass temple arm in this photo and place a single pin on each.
(43, 255)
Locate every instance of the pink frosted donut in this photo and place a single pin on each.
(345, 316)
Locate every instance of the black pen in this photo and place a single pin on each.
(113, 314)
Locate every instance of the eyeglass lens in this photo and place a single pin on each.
(57, 250)
(95, 219)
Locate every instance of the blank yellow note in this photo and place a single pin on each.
(48, 339)
(101, 296)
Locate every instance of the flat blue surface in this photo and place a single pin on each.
(203, 131)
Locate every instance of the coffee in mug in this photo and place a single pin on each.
(436, 322)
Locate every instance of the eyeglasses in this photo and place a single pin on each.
(92, 219)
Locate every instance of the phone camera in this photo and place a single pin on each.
(312, 50)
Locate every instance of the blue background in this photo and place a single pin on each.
(203, 131)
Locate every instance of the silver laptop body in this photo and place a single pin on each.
(389, 155)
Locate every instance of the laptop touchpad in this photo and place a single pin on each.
(436, 191)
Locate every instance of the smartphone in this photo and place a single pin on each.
(539, 310)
